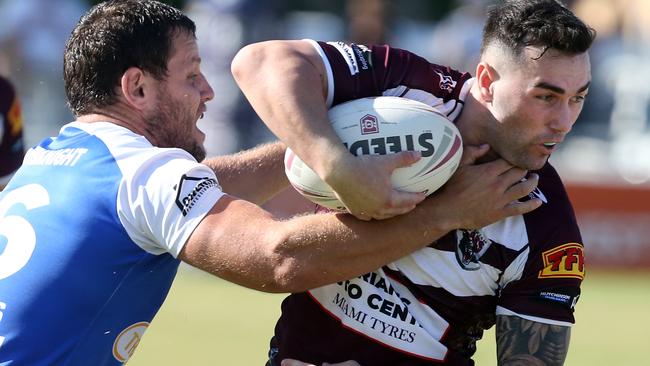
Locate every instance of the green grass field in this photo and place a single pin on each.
(206, 321)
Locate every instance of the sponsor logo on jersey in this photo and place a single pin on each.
(446, 82)
(363, 55)
(470, 246)
(564, 261)
(127, 341)
(190, 189)
(564, 299)
(348, 54)
(369, 124)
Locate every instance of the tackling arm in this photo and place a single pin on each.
(255, 175)
(525, 342)
(242, 243)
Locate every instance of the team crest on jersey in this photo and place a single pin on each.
(564, 261)
(127, 341)
(446, 82)
(190, 189)
(470, 246)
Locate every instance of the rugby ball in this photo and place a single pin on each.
(386, 125)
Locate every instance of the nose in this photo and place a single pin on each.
(565, 119)
(207, 93)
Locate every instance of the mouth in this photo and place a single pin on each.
(550, 146)
(202, 111)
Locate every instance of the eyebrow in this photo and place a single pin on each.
(557, 89)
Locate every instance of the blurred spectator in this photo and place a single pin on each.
(367, 21)
(11, 132)
(32, 38)
(457, 38)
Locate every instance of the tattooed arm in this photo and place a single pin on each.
(522, 342)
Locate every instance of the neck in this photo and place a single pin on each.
(121, 117)
(473, 121)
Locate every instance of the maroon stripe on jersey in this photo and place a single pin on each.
(388, 68)
(308, 333)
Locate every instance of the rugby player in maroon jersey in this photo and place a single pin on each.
(522, 273)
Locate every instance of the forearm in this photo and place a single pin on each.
(255, 175)
(524, 342)
(319, 251)
(244, 244)
(285, 82)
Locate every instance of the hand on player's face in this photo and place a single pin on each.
(289, 362)
(481, 194)
(363, 185)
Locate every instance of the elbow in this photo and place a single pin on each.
(253, 61)
(292, 271)
(241, 65)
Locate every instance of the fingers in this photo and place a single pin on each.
(519, 208)
(401, 159)
(523, 188)
(471, 153)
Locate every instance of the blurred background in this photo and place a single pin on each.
(605, 161)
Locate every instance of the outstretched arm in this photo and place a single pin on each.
(522, 342)
(286, 83)
(255, 175)
(242, 243)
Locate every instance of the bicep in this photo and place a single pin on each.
(526, 342)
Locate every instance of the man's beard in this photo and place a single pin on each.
(166, 125)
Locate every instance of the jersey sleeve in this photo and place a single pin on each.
(549, 286)
(356, 71)
(162, 203)
(11, 131)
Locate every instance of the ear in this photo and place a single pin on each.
(137, 88)
(486, 75)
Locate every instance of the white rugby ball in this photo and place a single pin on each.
(386, 125)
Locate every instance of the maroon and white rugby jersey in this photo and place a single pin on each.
(432, 306)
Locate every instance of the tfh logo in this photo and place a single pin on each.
(369, 124)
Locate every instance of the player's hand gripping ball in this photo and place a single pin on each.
(386, 125)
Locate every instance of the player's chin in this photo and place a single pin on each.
(536, 163)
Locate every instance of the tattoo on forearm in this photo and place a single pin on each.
(522, 342)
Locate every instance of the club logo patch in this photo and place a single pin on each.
(447, 83)
(369, 124)
(127, 341)
(190, 189)
(565, 261)
(470, 246)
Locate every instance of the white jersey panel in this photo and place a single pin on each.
(164, 193)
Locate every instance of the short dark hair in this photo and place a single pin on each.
(112, 37)
(539, 23)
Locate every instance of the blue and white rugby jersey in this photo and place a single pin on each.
(90, 228)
